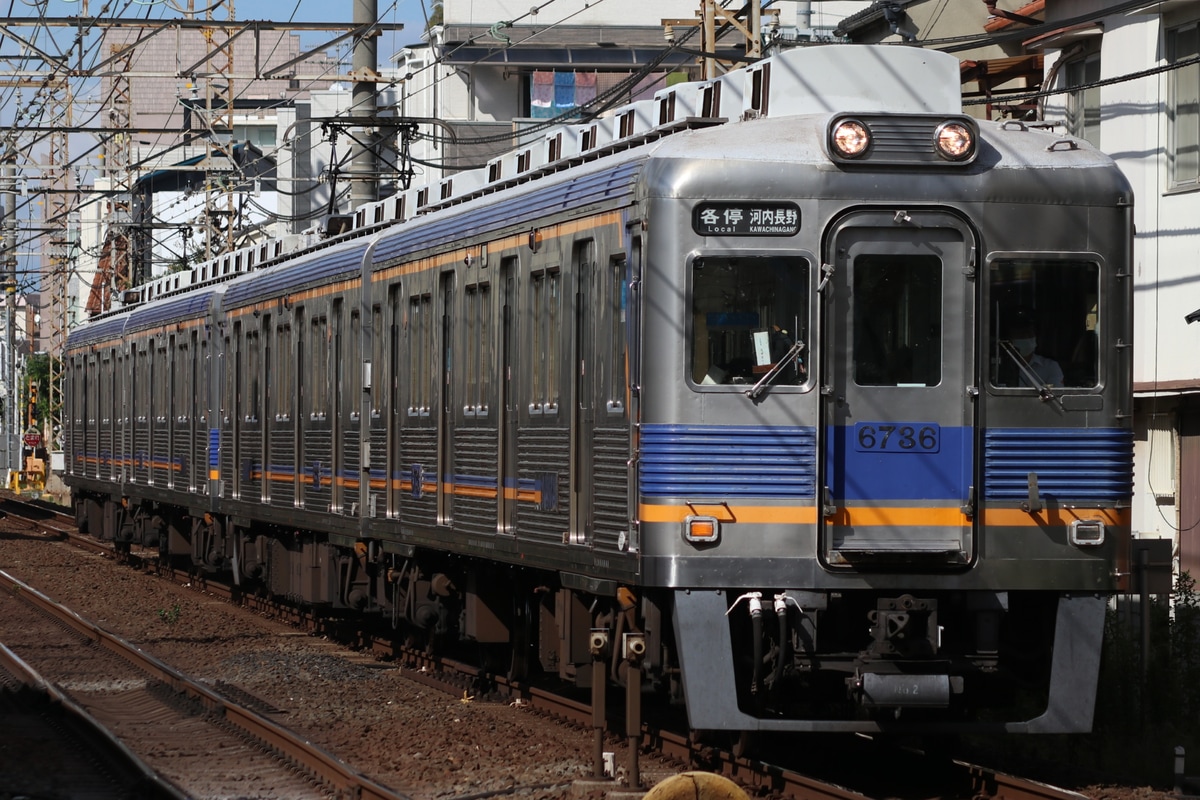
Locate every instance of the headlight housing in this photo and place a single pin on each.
(850, 138)
(954, 141)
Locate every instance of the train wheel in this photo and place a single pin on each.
(746, 744)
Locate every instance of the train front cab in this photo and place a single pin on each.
(925, 533)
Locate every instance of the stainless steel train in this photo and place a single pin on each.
(798, 392)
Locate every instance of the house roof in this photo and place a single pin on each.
(868, 16)
(564, 46)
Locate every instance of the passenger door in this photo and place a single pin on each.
(899, 376)
(583, 419)
(509, 416)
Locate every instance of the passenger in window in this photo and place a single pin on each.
(1023, 335)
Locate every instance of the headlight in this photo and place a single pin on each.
(954, 141)
(850, 138)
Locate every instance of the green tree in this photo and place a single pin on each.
(37, 385)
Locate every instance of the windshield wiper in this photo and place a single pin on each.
(1028, 373)
(791, 355)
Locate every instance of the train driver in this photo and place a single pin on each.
(1023, 335)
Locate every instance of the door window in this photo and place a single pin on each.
(897, 307)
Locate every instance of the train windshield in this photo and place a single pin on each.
(748, 315)
(1044, 323)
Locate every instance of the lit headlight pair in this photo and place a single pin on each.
(952, 140)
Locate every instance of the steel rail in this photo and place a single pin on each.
(322, 764)
(149, 784)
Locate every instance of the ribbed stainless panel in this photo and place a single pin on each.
(378, 471)
(93, 458)
(229, 459)
(610, 482)
(418, 453)
(199, 458)
(475, 471)
(181, 452)
(141, 453)
(249, 465)
(160, 455)
(281, 465)
(543, 457)
(728, 461)
(316, 471)
(348, 473)
(1085, 466)
(122, 454)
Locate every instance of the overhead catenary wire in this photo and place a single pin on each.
(605, 101)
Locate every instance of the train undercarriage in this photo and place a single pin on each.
(787, 660)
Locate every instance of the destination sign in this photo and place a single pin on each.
(746, 219)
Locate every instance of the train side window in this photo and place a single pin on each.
(617, 299)
(184, 389)
(282, 369)
(897, 311)
(1044, 321)
(319, 351)
(383, 371)
(478, 355)
(420, 354)
(545, 287)
(747, 313)
(253, 375)
(160, 399)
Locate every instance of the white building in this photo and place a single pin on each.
(1151, 126)
(489, 81)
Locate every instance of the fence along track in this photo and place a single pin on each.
(320, 764)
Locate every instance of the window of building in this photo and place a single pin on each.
(1083, 101)
(1183, 107)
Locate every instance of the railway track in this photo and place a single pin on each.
(194, 737)
(887, 777)
(79, 758)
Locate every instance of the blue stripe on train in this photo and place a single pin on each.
(696, 461)
(1093, 466)
(941, 472)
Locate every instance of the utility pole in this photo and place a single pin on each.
(60, 202)
(708, 18)
(8, 264)
(364, 167)
(220, 94)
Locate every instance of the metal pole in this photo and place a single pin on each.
(8, 261)
(364, 167)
